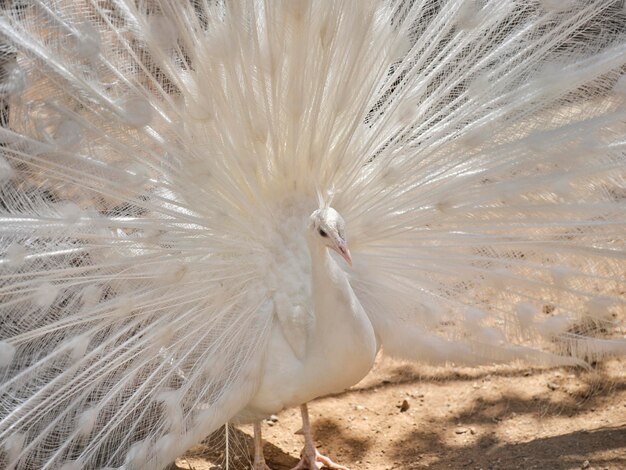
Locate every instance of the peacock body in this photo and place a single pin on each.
(179, 182)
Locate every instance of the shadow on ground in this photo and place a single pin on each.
(562, 452)
(582, 416)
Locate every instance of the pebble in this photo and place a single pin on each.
(272, 420)
(404, 406)
(585, 464)
(552, 386)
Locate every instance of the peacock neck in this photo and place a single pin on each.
(329, 282)
(322, 265)
(350, 346)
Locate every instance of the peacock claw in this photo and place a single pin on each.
(313, 460)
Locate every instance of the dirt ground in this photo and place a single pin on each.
(481, 418)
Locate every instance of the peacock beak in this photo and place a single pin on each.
(342, 249)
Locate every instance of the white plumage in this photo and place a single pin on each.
(176, 177)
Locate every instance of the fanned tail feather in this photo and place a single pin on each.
(489, 210)
(476, 150)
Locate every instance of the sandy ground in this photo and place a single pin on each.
(481, 418)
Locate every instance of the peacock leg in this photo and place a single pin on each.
(259, 459)
(311, 459)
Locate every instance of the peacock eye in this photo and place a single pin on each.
(322, 233)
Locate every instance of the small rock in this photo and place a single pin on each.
(404, 406)
(585, 464)
(274, 418)
(359, 407)
(552, 386)
(461, 430)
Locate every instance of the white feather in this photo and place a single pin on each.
(160, 160)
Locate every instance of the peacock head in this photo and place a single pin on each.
(328, 227)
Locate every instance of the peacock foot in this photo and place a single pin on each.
(259, 459)
(313, 460)
(260, 465)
